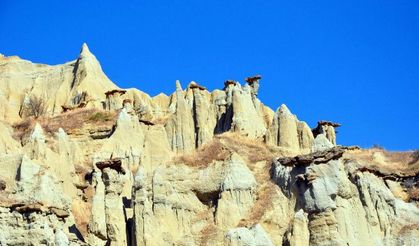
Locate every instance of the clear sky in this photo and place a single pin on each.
(354, 62)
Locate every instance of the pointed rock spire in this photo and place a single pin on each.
(178, 86)
(85, 52)
(37, 134)
(284, 110)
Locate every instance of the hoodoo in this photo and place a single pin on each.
(84, 162)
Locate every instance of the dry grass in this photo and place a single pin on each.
(68, 121)
(387, 162)
(101, 116)
(209, 232)
(254, 150)
(221, 147)
(258, 156)
(404, 164)
(407, 229)
(263, 203)
(413, 193)
(212, 151)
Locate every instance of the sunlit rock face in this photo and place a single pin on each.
(94, 164)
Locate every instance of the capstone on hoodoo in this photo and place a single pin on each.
(111, 166)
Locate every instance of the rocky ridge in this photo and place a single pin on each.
(111, 166)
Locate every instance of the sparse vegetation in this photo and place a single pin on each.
(387, 162)
(101, 116)
(35, 106)
(221, 147)
(254, 150)
(212, 151)
(69, 121)
(415, 156)
(264, 202)
(413, 193)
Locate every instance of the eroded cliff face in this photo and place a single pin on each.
(107, 166)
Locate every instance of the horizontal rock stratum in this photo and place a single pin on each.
(84, 162)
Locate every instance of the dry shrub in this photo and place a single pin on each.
(407, 229)
(413, 193)
(101, 116)
(254, 150)
(264, 202)
(212, 151)
(221, 147)
(415, 157)
(22, 128)
(67, 121)
(35, 107)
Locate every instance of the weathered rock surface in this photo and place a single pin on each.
(342, 201)
(289, 133)
(111, 166)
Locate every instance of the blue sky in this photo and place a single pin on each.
(354, 62)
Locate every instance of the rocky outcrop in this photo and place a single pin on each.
(289, 133)
(195, 168)
(180, 127)
(327, 128)
(57, 85)
(237, 193)
(108, 222)
(204, 115)
(339, 201)
(246, 119)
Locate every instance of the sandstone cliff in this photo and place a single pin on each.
(103, 165)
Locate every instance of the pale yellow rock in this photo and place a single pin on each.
(306, 137)
(180, 182)
(237, 195)
(300, 233)
(204, 115)
(287, 132)
(58, 85)
(246, 120)
(180, 127)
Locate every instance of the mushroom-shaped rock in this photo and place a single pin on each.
(115, 164)
(194, 85)
(328, 129)
(253, 82)
(114, 99)
(229, 83)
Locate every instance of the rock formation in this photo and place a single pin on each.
(103, 165)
